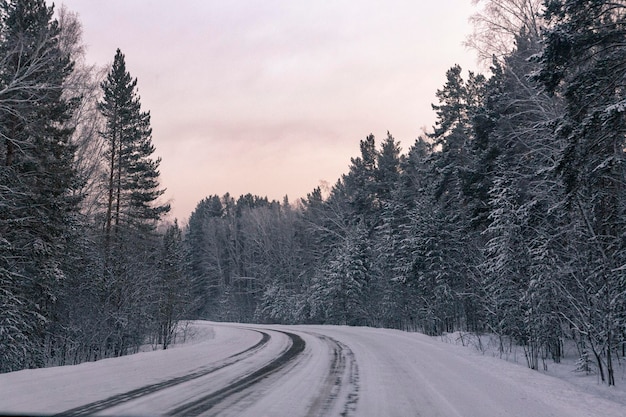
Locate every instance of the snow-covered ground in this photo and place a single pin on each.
(488, 345)
(336, 370)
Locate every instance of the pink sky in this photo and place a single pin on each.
(272, 97)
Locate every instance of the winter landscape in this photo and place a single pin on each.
(480, 272)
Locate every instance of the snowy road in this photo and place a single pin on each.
(244, 370)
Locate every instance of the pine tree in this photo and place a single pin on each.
(387, 170)
(133, 186)
(451, 110)
(130, 243)
(360, 182)
(447, 243)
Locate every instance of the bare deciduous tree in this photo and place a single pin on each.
(498, 24)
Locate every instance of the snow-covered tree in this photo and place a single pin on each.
(340, 288)
(583, 62)
(37, 198)
(174, 298)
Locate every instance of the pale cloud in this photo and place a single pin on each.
(271, 97)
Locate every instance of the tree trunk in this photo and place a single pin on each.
(119, 184)
(609, 360)
(10, 152)
(111, 183)
(598, 359)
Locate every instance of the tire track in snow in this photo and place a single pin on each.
(97, 406)
(339, 394)
(209, 401)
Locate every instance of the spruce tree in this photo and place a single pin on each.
(360, 183)
(37, 202)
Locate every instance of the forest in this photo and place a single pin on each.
(86, 270)
(507, 218)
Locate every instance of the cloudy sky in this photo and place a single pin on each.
(272, 97)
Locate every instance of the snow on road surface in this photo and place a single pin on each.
(254, 370)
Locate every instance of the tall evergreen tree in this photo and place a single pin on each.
(37, 202)
(360, 183)
(133, 186)
(387, 170)
(131, 214)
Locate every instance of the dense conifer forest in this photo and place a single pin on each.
(508, 217)
(86, 270)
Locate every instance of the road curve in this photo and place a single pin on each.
(207, 402)
(97, 406)
(321, 381)
(324, 368)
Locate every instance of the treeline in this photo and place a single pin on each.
(84, 272)
(509, 217)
